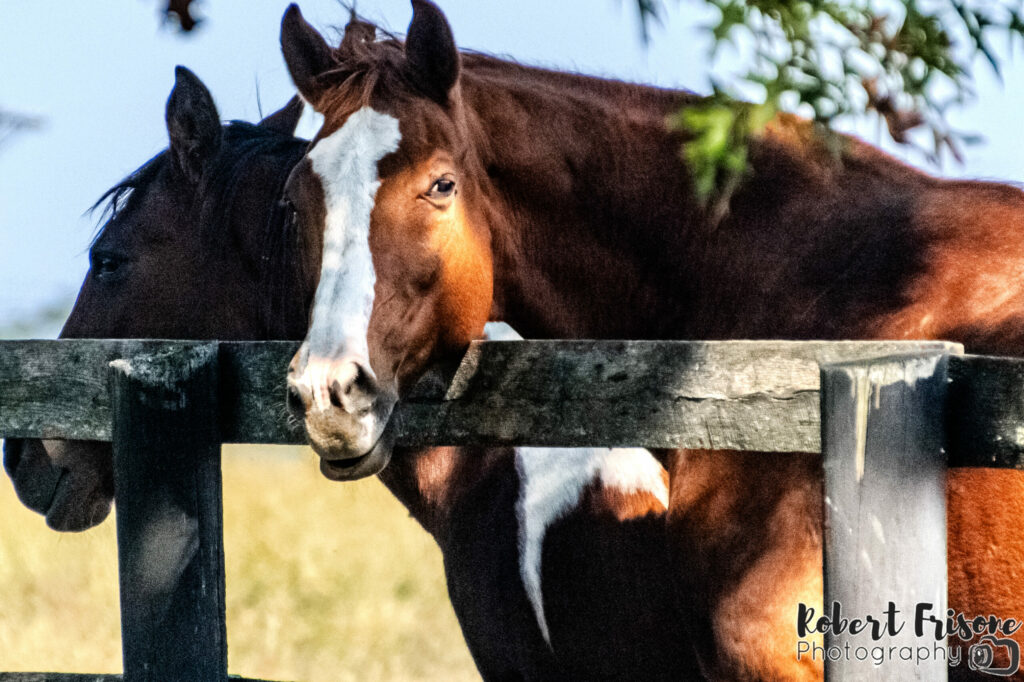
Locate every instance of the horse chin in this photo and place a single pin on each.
(34, 476)
(70, 483)
(350, 447)
(354, 468)
(73, 510)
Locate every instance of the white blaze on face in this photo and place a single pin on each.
(346, 163)
(552, 481)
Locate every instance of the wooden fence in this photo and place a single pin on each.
(889, 417)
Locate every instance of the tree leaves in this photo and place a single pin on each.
(180, 11)
(834, 59)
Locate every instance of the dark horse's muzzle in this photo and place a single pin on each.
(34, 475)
(71, 483)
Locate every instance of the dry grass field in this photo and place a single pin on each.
(325, 581)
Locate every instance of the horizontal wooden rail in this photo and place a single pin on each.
(737, 395)
(58, 389)
(745, 395)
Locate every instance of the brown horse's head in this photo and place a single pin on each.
(196, 247)
(393, 180)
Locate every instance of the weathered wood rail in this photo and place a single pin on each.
(895, 415)
(745, 395)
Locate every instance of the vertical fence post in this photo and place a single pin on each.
(885, 513)
(169, 514)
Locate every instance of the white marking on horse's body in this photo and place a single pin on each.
(552, 481)
(633, 470)
(346, 163)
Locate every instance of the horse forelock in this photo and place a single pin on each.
(354, 83)
(359, 58)
(370, 61)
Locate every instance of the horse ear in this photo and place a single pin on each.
(430, 51)
(193, 124)
(285, 119)
(305, 52)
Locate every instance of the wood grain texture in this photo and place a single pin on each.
(58, 389)
(170, 543)
(742, 395)
(885, 508)
(747, 395)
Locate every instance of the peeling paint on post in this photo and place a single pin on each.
(169, 527)
(882, 432)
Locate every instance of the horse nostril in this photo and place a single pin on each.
(336, 394)
(363, 382)
(354, 394)
(295, 402)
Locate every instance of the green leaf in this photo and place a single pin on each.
(824, 56)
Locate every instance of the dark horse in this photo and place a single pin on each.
(184, 254)
(552, 572)
(456, 188)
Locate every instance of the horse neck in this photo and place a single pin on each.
(432, 483)
(595, 231)
(586, 200)
(284, 279)
(282, 257)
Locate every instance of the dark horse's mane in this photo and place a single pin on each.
(272, 250)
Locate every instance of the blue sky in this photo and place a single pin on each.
(99, 74)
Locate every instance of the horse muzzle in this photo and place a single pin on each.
(345, 415)
(343, 458)
(71, 483)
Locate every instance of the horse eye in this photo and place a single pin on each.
(442, 188)
(105, 266)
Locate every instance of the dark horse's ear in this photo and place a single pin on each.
(193, 124)
(430, 51)
(306, 53)
(285, 119)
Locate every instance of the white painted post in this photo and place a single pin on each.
(885, 513)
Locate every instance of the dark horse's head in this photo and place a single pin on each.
(197, 246)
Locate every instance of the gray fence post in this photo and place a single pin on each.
(169, 521)
(885, 514)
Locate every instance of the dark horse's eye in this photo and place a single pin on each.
(443, 188)
(105, 266)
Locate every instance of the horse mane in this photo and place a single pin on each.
(115, 199)
(276, 251)
(365, 63)
(272, 250)
(370, 58)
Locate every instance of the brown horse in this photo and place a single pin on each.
(549, 568)
(456, 188)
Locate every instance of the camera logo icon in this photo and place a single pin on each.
(981, 656)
